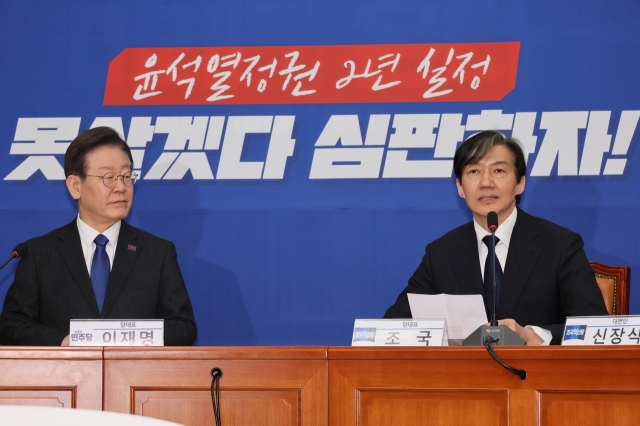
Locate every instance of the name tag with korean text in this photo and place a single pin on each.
(602, 330)
(400, 332)
(100, 332)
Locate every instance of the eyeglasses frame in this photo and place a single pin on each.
(132, 175)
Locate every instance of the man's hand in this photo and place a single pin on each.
(530, 336)
(65, 341)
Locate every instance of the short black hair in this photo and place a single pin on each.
(75, 157)
(477, 146)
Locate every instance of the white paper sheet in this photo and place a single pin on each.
(464, 313)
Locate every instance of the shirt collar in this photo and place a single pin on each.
(88, 234)
(503, 232)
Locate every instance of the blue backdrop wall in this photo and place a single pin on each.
(292, 256)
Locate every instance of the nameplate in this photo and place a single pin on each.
(603, 330)
(399, 332)
(116, 332)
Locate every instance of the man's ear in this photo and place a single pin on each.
(460, 189)
(520, 186)
(74, 185)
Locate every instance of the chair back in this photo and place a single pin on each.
(614, 284)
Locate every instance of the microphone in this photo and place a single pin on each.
(20, 250)
(492, 224)
(494, 334)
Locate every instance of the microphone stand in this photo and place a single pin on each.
(494, 334)
(489, 341)
(494, 321)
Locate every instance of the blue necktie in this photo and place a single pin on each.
(100, 269)
(488, 277)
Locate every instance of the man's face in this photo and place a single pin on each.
(99, 206)
(490, 185)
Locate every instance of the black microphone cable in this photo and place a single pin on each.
(488, 343)
(216, 373)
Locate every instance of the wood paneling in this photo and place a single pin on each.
(259, 386)
(438, 386)
(339, 386)
(437, 408)
(586, 408)
(54, 377)
(40, 397)
(260, 407)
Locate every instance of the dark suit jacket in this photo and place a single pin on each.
(52, 286)
(547, 275)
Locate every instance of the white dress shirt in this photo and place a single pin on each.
(504, 232)
(88, 234)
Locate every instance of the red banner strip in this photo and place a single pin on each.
(368, 73)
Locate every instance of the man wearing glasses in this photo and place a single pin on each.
(97, 266)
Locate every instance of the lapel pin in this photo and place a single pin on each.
(131, 247)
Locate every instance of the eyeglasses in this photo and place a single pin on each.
(111, 179)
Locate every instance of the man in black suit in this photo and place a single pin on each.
(97, 266)
(546, 272)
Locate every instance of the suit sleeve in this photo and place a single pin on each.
(19, 319)
(421, 282)
(579, 293)
(174, 305)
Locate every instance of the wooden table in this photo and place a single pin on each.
(464, 386)
(268, 386)
(55, 377)
(339, 386)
